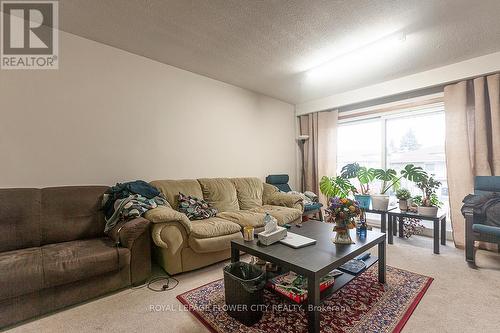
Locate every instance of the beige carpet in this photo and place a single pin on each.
(460, 299)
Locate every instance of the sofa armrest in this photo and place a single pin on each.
(286, 199)
(169, 235)
(163, 214)
(134, 235)
(126, 233)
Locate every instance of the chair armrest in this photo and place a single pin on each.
(468, 211)
(126, 232)
(286, 199)
(163, 214)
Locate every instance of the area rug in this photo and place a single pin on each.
(364, 305)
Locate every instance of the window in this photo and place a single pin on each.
(392, 140)
(356, 144)
(418, 140)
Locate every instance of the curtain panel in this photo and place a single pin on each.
(472, 113)
(320, 150)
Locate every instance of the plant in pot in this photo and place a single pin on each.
(391, 179)
(364, 176)
(404, 197)
(335, 187)
(428, 204)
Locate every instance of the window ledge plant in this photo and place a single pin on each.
(404, 196)
(391, 180)
(364, 176)
(428, 203)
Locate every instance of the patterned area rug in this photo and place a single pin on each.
(364, 305)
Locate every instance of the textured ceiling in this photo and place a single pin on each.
(267, 46)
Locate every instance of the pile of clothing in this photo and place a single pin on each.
(486, 206)
(127, 201)
(308, 196)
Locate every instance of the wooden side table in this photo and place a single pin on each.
(398, 215)
(383, 216)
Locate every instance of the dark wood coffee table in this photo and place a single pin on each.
(316, 260)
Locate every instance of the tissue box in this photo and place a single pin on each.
(268, 238)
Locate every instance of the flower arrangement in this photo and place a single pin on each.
(342, 212)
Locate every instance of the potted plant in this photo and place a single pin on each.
(428, 204)
(335, 187)
(404, 196)
(390, 179)
(364, 176)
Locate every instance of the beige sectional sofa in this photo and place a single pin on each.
(182, 245)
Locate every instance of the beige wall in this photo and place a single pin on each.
(108, 116)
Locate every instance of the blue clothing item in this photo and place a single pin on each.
(312, 206)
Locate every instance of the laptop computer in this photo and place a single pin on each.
(297, 241)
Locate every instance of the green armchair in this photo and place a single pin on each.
(478, 225)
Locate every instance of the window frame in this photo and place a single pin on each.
(383, 117)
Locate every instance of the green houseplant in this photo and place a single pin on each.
(391, 179)
(335, 187)
(404, 196)
(364, 176)
(428, 204)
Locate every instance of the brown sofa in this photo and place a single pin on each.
(54, 253)
(183, 245)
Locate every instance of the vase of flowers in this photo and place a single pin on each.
(342, 212)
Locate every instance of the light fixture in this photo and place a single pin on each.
(358, 60)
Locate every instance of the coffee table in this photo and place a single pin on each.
(316, 260)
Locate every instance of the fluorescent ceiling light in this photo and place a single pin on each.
(358, 60)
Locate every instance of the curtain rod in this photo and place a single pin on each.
(398, 97)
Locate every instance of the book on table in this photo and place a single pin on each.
(294, 286)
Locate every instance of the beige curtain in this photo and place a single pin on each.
(472, 140)
(320, 151)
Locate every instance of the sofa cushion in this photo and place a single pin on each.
(213, 227)
(268, 191)
(244, 218)
(284, 215)
(21, 272)
(195, 208)
(220, 193)
(213, 244)
(19, 218)
(69, 213)
(171, 189)
(82, 259)
(249, 192)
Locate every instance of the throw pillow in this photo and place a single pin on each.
(194, 208)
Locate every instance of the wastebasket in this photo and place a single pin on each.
(244, 292)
